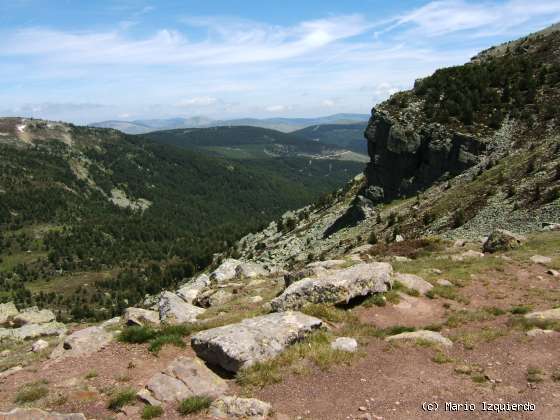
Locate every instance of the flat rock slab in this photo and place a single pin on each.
(86, 341)
(140, 317)
(239, 408)
(414, 282)
(252, 340)
(174, 310)
(36, 414)
(33, 331)
(336, 286)
(424, 335)
(550, 315)
(184, 377)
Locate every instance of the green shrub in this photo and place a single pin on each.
(157, 343)
(194, 404)
(31, 392)
(121, 398)
(137, 335)
(520, 310)
(151, 411)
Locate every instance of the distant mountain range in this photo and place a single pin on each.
(285, 125)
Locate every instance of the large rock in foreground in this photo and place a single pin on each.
(502, 240)
(336, 286)
(174, 310)
(252, 340)
(86, 341)
(184, 377)
(36, 414)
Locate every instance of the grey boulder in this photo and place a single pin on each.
(225, 271)
(345, 344)
(7, 312)
(174, 310)
(336, 286)
(140, 317)
(423, 335)
(252, 340)
(250, 270)
(413, 282)
(189, 291)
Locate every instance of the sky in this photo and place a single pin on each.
(84, 61)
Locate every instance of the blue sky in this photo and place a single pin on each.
(85, 61)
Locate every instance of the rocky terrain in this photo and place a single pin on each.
(431, 279)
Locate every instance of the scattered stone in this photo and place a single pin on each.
(5, 353)
(36, 414)
(436, 271)
(466, 255)
(553, 273)
(7, 312)
(140, 317)
(225, 271)
(399, 238)
(82, 342)
(328, 264)
(400, 258)
(431, 336)
(39, 345)
(540, 259)
(537, 331)
(34, 315)
(413, 282)
(189, 292)
(345, 344)
(250, 270)
(549, 315)
(463, 369)
(255, 299)
(502, 240)
(240, 345)
(444, 282)
(551, 227)
(336, 286)
(243, 408)
(33, 331)
(459, 243)
(174, 310)
(10, 372)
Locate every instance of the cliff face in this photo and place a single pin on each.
(406, 158)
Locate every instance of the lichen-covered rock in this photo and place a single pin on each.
(293, 276)
(225, 271)
(34, 316)
(252, 340)
(345, 344)
(502, 240)
(239, 408)
(7, 312)
(250, 270)
(413, 282)
(36, 414)
(423, 335)
(211, 297)
(174, 310)
(336, 286)
(82, 342)
(140, 317)
(189, 291)
(33, 331)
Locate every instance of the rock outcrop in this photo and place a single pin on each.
(336, 286)
(189, 291)
(422, 335)
(237, 346)
(407, 157)
(225, 271)
(33, 331)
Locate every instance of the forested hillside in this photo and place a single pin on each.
(89, 211)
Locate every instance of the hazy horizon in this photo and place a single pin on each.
(133, 60)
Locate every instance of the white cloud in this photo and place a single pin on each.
(277, 108)
(198, 101)
(328, 103)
